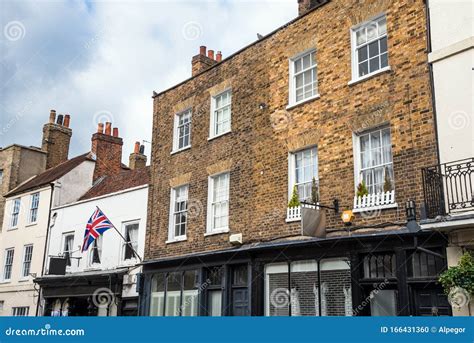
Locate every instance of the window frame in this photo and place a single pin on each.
(213, 116)
(5, 256)
(124, 244)
(292, 167)
(97, 244)
(34, 209)
(24, 261)
(292, 78)
(354, 49)
(172, 237)
(358, 161)
(65, 235)
(17, 309)
(210, 230)
(176, 127)
(15, 216)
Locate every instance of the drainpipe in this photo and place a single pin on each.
(46, 246)
(431, 76)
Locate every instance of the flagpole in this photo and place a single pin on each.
(120, 234)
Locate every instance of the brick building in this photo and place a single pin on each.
(335, 107)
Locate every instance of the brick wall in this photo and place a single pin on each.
(256, 151)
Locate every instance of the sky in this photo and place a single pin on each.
(101, 60)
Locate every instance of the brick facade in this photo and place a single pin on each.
(264, 131)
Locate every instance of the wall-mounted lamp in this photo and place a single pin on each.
(347, 217)
(262, 106)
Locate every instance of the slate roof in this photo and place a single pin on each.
(124, 180)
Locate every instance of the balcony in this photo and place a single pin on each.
(448, 188)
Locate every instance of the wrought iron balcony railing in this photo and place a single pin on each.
(449, 188)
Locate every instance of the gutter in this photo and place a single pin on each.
(46, 245)
(431, 76)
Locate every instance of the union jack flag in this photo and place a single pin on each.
(96, 226)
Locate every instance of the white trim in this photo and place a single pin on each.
(450, 50)
(212, 118)
(369, 76)
(375, 208)
(171, 223)
(210, 190)
(176, 240)
(100, 197)
(179, 150)
(124, 224)
(291, 79)
(296, 104)
(355, 78)
(175, 148)
(217, 232)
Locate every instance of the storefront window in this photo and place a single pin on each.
(300, 292)
(190, 294)
(383, 302)
(214, 292)
(157, 295)
(173, 294)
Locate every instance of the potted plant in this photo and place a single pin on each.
(387, 185)
(314, 191)
(458, 281)
(295, 199)
(362, 189)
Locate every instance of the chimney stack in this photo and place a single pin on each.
(56, 139)
(305, 6)
(202, 62)
(107, 149)
(137, 159)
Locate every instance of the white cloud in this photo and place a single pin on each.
(83, 58)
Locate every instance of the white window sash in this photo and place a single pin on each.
(8, 263)
(34, 208)
(211, 203)
(27, 257)
(177, 126)
(15, 213)
(292, 169)
(213, 117)
(355, 48)
(130, 229)
(293, 74)
(172, 217)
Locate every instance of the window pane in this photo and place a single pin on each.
(336, 293)
(304, 288)
(384, 60)
(383, 303)
(362, 53)
(371, 31)
(363, 68)
(382, 26)
(361, 36)
(157, 295)
(277, 295)
(374, 64)
(373, 49)
(308, 79)
(299, 80)
(215, 303)
(298, 65)
(383, 45)
(375, 139)
(190, 293)
(173, 294)
(306, 61)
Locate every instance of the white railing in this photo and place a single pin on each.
(376, 200)
(294, 213)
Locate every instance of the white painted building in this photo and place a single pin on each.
(108, 270)
(449, 187)
(25, 223)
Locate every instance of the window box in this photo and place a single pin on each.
(374, 201)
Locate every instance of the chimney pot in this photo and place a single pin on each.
(142, 149)
(210, 54)
(219, 56)
(137, 148)
(60, 119)
(100, 128)
(52, 116)
(115, 132)
(108, 128)
(202, 50)
(67, 119)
